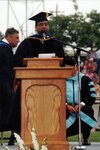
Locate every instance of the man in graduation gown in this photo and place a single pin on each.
(88, 97)
(41, 42)
(8, 102)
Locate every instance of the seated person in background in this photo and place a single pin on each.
(96, 81)
(39, 43)
(88, 97)
(89, 67)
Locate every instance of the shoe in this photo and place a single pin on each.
(12, 138)
(11, 143)
(86, 143)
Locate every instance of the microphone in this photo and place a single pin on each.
(44, 35)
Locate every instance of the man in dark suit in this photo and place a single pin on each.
(41, 42)
(7, 95)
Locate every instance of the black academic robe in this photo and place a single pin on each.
(7, 95)
(34, 45)
(6, 63)
(88, 96)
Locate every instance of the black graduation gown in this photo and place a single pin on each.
(6, 63)
(34, 45)
(88, 96)
(7, 95)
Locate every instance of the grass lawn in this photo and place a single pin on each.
(6, 136)
(94, 137)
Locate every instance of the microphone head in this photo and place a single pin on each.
(44, 35)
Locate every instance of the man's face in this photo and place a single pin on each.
(42, 27)
(14, 39)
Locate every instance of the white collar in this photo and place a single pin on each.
(4, 40)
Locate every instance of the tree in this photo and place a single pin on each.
(77, 28)
(93, 24)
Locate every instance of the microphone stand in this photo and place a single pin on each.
(80, 146)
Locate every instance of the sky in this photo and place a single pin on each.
(16, 12)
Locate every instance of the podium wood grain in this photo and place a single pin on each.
(43, 104)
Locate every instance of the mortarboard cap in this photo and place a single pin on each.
(42, 16)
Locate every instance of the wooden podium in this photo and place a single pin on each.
(43, 101)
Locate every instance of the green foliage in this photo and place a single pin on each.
(77, 28)
(94, 23)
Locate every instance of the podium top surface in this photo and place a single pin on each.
(43, 62)
(43, 68)
(43, 72)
